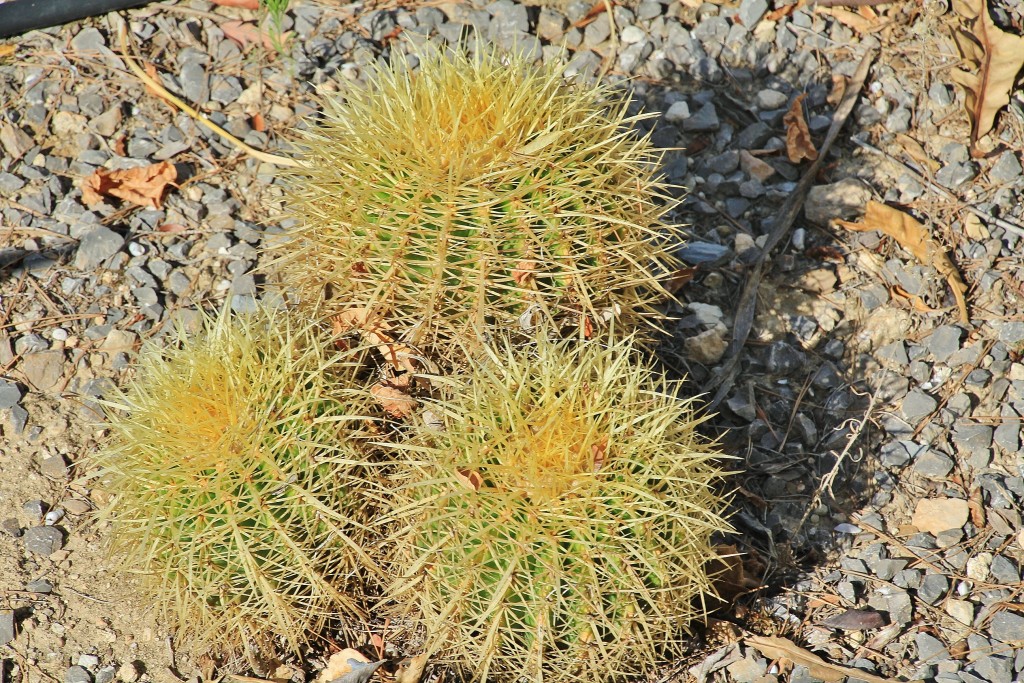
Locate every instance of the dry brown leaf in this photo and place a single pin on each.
(915, 151)
(338, 666)
(375, 330)
(7, 50)
(999, 57)
(835, 95)
(144, 186)
(522, 274)
(779, 648)
(976, 506)
(395, 402)
(246, 33)
(857, 22)
(410, 669)
(171, 228)
(913, 237)
(471, 479)
(798, 138)
(729, 570)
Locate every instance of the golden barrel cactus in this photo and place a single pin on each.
(474, 193)
(555, 515)
(237, 466)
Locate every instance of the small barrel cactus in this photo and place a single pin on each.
(478, 192)
(236, 467)
(556, 515)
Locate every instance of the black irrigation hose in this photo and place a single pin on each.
(24, 15)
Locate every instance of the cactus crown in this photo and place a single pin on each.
(472, 190)
(559, 526)
(236, 463)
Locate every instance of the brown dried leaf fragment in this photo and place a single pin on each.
(999, 57)
(143, 186)
(913, 237)
(395, 402)
(784, 648)
(375, 330)
(410, 669)
(798, 137)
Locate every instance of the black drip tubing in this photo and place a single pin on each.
(24, 15)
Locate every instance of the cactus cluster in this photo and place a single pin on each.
(238, 462)
(558, 525)
(475, 193)
(549, 516)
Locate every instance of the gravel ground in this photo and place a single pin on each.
(881, 484)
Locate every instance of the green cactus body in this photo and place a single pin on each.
(454, 198)
(237, 471)
(560, 526)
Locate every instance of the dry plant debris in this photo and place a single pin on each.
(996, 58)
(915, 238)
(144, 186)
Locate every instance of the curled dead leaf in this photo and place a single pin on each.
(410, 669)
(375, 330)
(784, 648)
(913, 237)
(246, 33)
(798, 137)
(395, 402)
(523, 272)
(998, 56)
(471, 479)
(144, 186)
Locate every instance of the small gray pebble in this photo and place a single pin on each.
(35, 509)
(88, 661)
(679, 112)
(930, 648)
(8, 628)
(18, 419)
(995, 668)
(939, 94)
(955, 175)
(768, 99)
(751, 12)
(704, 120)
(95, 247)
(933, 587)
(1007, 627)
(106, 674)
(783, 359)
(11, 527)
(973, 438)
(1004, 570)
(39, 586)
(10, 394)
(933, 465)
(77, 674)
(1007, 168)
(54, 467)
(944, 341)
(43, 540)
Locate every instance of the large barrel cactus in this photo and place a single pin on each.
(556, 515)
(237, 465)
(471, 193)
